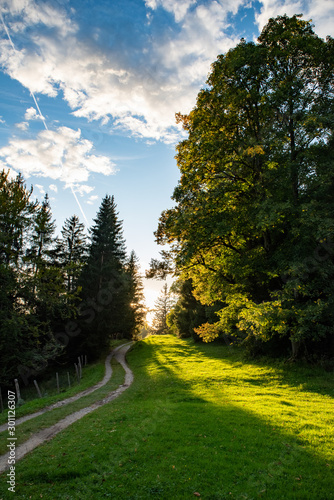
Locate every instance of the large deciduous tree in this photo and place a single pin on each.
(254, 219)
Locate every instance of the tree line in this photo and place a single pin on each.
(251, 235)
(64, 295)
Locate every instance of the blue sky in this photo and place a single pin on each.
(89, 91)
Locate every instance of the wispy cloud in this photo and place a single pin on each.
(60, 154)
(83, 189)
(178, 8)
(22, 126)
(129, 70)
(92, 199)
(29, 12)
(40, 188)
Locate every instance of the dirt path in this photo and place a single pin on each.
(106, 378)
(47, 434)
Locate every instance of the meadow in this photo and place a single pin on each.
(198, 421)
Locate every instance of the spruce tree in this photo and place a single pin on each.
(135, 296)
(42, 237)
(103, 280)
(16, 217)
(31, 290)
(73, 250)
(163, 306)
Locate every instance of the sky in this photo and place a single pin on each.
(89, 90)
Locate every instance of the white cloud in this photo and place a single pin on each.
(141, 91)
(31, 12)
(83, 189)
(53, 188)
(22, 126)
(31, 114)
(40, 188)
(92, 199)
(178, 8)
(60, 154)
(140, 85)
(2, 120)
(202, 38)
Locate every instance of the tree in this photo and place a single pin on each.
(73, 250)
(16, 217)
(42, 237)
(163, 305)
(135, 296)
(187, 313)
(26, 301)
(103, 280)
(254, 201)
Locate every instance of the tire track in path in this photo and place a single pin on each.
(50, 432)
(63, 402)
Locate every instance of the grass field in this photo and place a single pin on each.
(91, 375)
(196, 421)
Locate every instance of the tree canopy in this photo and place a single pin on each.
(253, 222)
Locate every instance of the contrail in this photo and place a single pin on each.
(43, 120)
(14, 49)
(79, 205)
(39, 111)
(6, 30)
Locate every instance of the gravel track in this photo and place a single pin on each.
(47, 434)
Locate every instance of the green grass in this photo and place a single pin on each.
(196, 420)
(91, 375)
(29, 428)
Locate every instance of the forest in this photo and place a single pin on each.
(251, 234)
(61, 295)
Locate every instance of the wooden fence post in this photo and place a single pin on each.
(37, 389)
(80, 367)
(69, 381)
(17, 388)
(77, 372)
(57, 379)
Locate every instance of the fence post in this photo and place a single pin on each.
(17, 388)
(77, 372)
(57, 379)
(80, 367)
(1, 402)
(37, 388)
(69, 381)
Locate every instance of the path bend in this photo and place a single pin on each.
(50, 432)
(63, 402)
